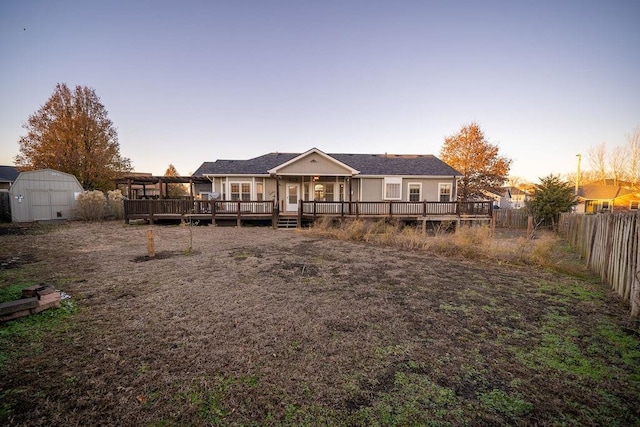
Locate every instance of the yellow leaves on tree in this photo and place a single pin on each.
(478, 161)
(72, 133)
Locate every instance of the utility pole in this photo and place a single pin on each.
(579, 156)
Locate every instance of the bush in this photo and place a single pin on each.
(115, 204)
(92, 206)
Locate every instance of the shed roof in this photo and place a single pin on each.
(367, 164)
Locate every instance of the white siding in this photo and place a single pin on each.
(43, 195)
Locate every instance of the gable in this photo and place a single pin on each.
(314, 162)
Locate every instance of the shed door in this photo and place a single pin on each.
(40, 205)
(49, 204)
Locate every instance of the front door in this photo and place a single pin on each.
(293, 194)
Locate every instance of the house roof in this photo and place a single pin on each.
(601, 192)
(367, 164)
(8, 173)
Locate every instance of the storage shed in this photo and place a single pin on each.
(43, 195)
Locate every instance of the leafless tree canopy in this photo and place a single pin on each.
(618, 163)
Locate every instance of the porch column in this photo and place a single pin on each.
(277, 193)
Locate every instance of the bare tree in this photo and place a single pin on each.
(598, 160)
(617, 163)
(633, 161)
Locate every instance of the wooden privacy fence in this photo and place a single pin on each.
(510, 218)
(609, 244)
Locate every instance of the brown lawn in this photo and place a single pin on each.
(257, 326)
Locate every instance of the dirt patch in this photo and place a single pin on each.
(15, 261)
(260, 326)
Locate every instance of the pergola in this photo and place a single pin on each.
(161, 182)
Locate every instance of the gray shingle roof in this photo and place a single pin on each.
(8, 173)
(602, 192)
(367, 164)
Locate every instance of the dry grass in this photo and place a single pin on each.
(471, 242)
(257, 326)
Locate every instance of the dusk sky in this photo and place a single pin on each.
(186, 82)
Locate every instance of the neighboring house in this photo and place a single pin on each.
(507, 197)
(596, 198)
(315, 175)
(8, 175)
(497, 197)
(516, 197)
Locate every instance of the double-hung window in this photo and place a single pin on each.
(415, 190)
(240, 191)
(445, 192)
(392, 188)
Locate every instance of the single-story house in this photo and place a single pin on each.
(8, 175)
(318, 176)
(596, 198)
(44, 194)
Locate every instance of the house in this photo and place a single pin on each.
(314, 175)
(597, 198)
(42, 195)
(516, 198)
(8, 175)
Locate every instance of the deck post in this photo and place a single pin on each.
(238, 220)
(151, 208)
(299, 224)
(212, 205)
(274, 214)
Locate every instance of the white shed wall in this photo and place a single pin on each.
(44, 195)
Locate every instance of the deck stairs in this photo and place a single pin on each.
(285, 223)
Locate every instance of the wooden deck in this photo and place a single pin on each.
(152, 210)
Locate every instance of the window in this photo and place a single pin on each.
(634, 205)
(328, 192)
(392, 188)
(306, 192)
(415, 190)
(240, 191)
(323, 192)
(445, 192)
(259, 191)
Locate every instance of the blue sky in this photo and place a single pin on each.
(193, 81)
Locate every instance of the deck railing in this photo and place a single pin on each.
(393, 208)
(253, 209)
